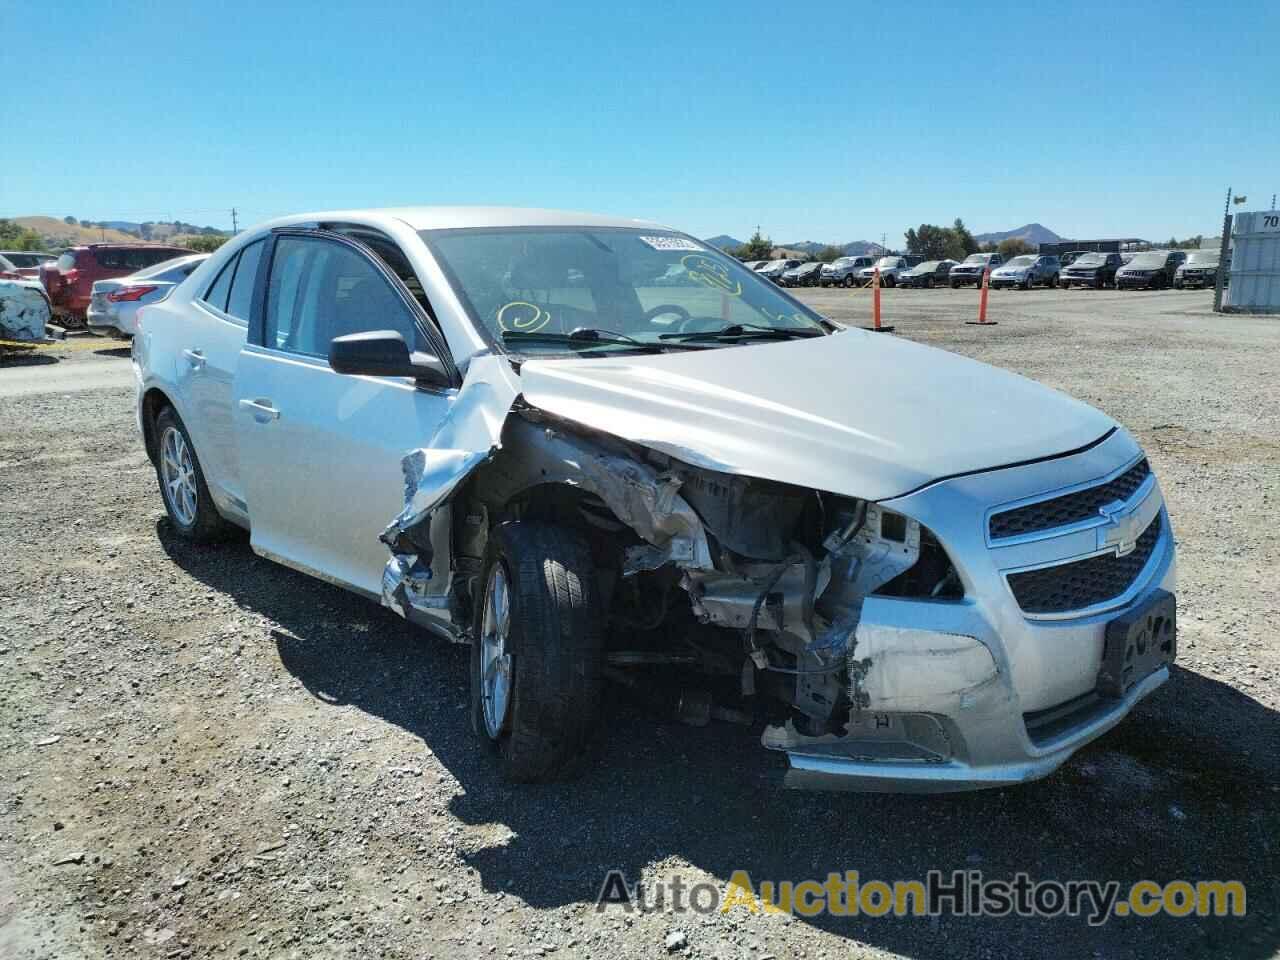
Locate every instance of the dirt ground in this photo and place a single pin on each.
(204, 754)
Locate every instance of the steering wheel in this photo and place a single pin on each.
(682, 315)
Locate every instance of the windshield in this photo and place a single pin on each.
(1206, 259)
(1149, 261)
(1021, 262)
(843, 262)
(1090, 260)
(555, 280)
(887, 262)
(977, 258)
(929, 266)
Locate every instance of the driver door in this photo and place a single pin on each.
(320, 451)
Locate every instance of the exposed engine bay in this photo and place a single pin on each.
(750, 590)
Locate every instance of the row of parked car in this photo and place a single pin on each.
(99, 285)
(1150, 270)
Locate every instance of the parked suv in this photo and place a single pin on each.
(1199, 270)
(1027, 271)
(1097, 270)
(889, 268)
(972, 269)
(915, 571)
(1153, 270)
(69, 280)
(845, 271)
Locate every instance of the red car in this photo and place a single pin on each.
(70, 280)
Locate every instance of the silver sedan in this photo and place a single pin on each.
(113, 306)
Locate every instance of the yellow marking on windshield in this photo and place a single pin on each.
(711, 273)
(526, 324)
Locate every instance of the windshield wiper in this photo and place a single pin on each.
(584, 338)
(745, 331)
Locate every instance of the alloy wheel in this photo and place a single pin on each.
(495, 659)
(177, 470)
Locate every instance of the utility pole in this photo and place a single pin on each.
(235, 227)
(1222, 253)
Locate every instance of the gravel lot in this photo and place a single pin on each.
(205, 754)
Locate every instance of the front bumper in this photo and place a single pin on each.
(1136, 283)
(964, 277)
(977, 693)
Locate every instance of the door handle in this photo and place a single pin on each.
(194, 357)
(261, 408)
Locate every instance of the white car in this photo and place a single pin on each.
(114, 304)
(915, 571)
(889, 267)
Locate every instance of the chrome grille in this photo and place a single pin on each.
(1069, 508)
(1081, 584)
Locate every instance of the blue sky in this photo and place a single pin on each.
(817, 121)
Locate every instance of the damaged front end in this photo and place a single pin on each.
(754, 592)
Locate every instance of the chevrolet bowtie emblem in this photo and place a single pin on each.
(1121, 529)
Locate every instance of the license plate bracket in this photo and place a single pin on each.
(1138, 643)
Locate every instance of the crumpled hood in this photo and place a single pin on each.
(856, 413)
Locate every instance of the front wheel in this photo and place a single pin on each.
(182, 485)
(955, 285)
(849, 280)
(536, 650)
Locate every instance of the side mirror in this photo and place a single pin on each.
(383, 353)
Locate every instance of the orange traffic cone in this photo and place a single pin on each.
(875, 305)
(982, 320)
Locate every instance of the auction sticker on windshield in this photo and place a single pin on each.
(671, 243)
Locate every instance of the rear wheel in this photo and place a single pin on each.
(536, 652)
(182, 485)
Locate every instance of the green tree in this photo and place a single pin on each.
(933, 242)
(968, 245)
(206, 244)
(70, 221)
(1013, 246)
(757, 248)
(14, 236)
(828, 253)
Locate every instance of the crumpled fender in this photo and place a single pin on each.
(466, 438)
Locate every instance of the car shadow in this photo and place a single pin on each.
(24, 357)
(124, 352)
(1185, 788)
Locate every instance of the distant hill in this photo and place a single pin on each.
(724, 242)
(1033, 233)
(56, 234)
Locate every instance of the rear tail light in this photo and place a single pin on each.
(128, 294)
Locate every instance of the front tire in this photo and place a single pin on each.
(536, 651)
(849, 280)
(182, 484)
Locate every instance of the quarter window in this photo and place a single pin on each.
(241, 297)
(320, 289)
(216, 295)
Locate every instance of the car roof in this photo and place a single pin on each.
(454, 217)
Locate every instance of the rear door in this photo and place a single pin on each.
(207, 369)
(321, 452)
